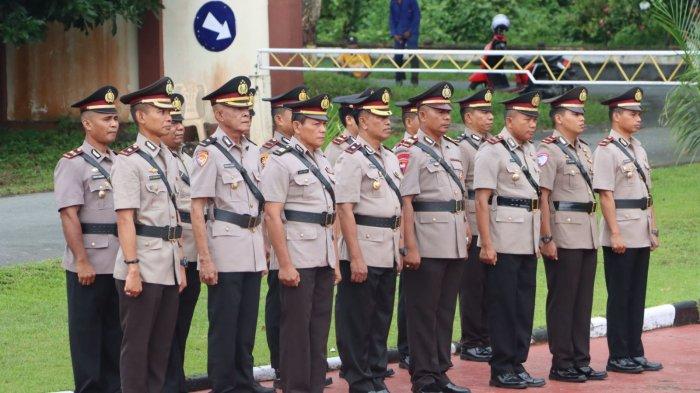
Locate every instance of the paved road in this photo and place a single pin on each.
(30, 230)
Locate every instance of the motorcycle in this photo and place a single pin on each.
(556, 63)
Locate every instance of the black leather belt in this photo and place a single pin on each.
(379, 222)
(471, 194)
(525, 203)
(323, 219)
(242, 220)
(642, 203)
(447, 206)
(98, 229)
(187, 218)
(165, 233)
(584, 207)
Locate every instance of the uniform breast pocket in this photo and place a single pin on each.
(514, 175)
(303, 185)
(95, 241)
(458, 168)
(628, 173)
(101, 189)
(373, 184)
(572, 176)
(436, 176)
(157, 195)
(370, 234)
(233, 181)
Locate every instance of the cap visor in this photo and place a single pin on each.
(634, 108)
(317, 117)
(236, 104)
(444, 107)
(576, 110)
(534, 114)
(106, 111)
(177, 118)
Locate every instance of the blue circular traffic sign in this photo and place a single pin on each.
(215, 26)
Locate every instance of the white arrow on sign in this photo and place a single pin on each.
(210, 23)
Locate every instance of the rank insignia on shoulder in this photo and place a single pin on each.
(408, 142)
(73, 153)
(208, 141)
(340, 139)
(130, 150)
(270, 143)
(282, 150)
(428, 140)
(494, 139)
(606, 141)
(353, 148)
(447, 138)
(549, 139)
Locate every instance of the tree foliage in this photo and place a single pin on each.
(25, 21)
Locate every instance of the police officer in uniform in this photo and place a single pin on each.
(281, 135)
(175, 377)
(347, 118)
(225, 181)
(298, 186)
(506, 180)
(409, 118)
(477, 117)
(147, 269)
(436, 236)
(568, 238)
(369, 209)
(83, 191)
(622, 178)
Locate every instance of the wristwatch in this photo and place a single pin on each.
(183, 262)
(546, 239)
(131, 262)
(655, 232)
(403, 251)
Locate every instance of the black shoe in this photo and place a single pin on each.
(488, 350)
(566, 375)
(389, 373)
(476, 354)
(624, 365)
(404, 361)
(591, 374)
(429, 388)
(258, 388)
(328, 381)
(530, 381)
(507, 381)
(647, 365)
(452, 388)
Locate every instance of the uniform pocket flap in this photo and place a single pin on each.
(100, 184)
(154, 187)
(370, 234)
(223, 228)
(427, 218)
(373, 173)
(301, 233)
(456, 164)
(512, 168)
(435, 167)
(151, 243)
(230, 178)
(305, 179)
(627, 215)
(568, 218)
(95, 241)
(510, 215)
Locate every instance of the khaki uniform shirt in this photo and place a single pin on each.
(560, 175)
(439, 234)
(338, 145)
(287, 180)
(138, 186)
(468, 146)
(265, 151)
(613, 171)
(184, 202)
(361, 183)
(514, 230)
(77, 183)
(232, 248)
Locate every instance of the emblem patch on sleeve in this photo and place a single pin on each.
(202, 157)
(403, 160)
(542, 158)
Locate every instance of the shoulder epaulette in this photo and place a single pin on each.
(494, 139)
(447, 138)
(282, 150)
(73, 153)
(208, 141)
(353, 148)
(130, 150)
(549, 139)
(272, 142)
(408, 142)
(340, 139)
(582, 141)
(606, 141)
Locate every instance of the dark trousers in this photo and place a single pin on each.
(304, 325)
(272, 318)
(472, 301)
(626, 281)
(570, 282)
(402, 330)
(431, 298)
(233, 317)
(148, 322)
(175, 376)
(94, 333)
(412, 43)
(511, 295)
(362, 320)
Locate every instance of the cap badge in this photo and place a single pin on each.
(303, 96)
(177, 104)
(109, 96)
(583, 96)
(535, 100)
(169, 88)
(325, 103)
(242, 88)
(446, 92)
(488, 96)
(638, 95)
(386, 96)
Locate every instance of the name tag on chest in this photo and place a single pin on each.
(153, 177)
(229, 165)
(96, 177)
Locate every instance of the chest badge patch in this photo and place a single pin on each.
(542, 158)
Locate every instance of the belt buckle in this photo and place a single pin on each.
(459, 206)
(327, 219)
(397, 222)
(594, 206)
(172, 232)
(534, 204)
(650, 201)
(252, 221)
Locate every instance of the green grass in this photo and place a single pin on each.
(33, 332)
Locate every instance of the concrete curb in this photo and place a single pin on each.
(677, 314)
